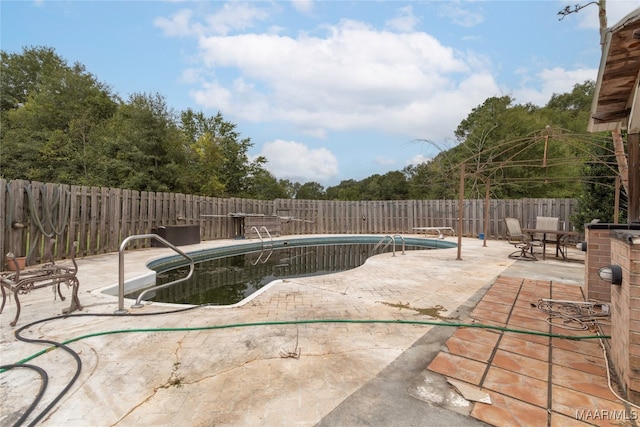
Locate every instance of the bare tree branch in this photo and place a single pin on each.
(576, 8)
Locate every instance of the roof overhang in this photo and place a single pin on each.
(616, 102)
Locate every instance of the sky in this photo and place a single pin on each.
(325, 90)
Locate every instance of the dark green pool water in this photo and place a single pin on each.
(226, 280)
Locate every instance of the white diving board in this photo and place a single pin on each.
(439, 230)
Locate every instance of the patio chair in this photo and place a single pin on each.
(520, 240)
(547, 223)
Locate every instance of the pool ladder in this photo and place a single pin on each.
(123, 245)
(392, 239)
(266, 230)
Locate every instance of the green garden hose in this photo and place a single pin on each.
(300, 322)
(63, 345)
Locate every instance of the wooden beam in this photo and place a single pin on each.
(461, 211)
(633, 143)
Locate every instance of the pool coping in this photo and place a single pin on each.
(168, 262)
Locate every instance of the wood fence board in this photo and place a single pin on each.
(100, 218)
(126, 216)
(75, 214)
(20, 213)
(6, 226)
(134, 226)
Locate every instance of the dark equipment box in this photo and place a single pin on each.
(177, 235)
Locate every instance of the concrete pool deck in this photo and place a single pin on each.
(362, 363)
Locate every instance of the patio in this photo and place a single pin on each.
(281, 359)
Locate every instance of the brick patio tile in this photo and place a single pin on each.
(458, 367)
(521, 364)
(522, 387)
(469, 349)
(579, 405)
(524, 347)
(590, 364)
(507, 411)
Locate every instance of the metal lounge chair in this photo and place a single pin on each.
(520, 240)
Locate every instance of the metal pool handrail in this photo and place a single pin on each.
(394, 243)
(123, 245)
(260, 235)
(393, 240)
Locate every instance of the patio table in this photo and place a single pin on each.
(561, 235)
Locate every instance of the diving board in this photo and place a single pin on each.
(439, 230)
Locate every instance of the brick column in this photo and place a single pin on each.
(598, 255)
(625, 312)
(598, 237)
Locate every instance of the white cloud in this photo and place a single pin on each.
(462, 16)
(232, 16)
(405, 20)
(418, 159)
(210, 92)
(297, 162)
(553, 81)
(384, 161)
(353, 78)
(178, 25)
(303, 6)
(190, 75)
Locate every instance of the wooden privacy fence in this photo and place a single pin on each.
(100, 218)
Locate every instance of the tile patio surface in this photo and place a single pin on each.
(532, 379)
(361, 360)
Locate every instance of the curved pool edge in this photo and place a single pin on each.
(173, 261)
(168, 262)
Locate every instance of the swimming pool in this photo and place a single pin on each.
(228, 275)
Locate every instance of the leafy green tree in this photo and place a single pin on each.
(432, 180)
(263, 185)
(597, 198)
(571, 110)
(290, 188)
(49, 114)
(393, 186)
(204, 155)
(516, 148)
(22, 74)
(390, 186)
(495, 139)
(347, 190)
(145, 147)
(59, 124)
(219, 156)
(310, 191)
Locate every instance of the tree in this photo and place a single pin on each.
(597, 199)
(310, 191)
(222, 166)
(22, 74)
(290, 188)
(432, 180)
(145, 147)
(49, 114)
(347, 190)
(618, 142)
(203, 153)
(264, 186)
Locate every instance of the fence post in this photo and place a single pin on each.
(102, 217)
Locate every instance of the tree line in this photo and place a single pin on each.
(61, 124)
